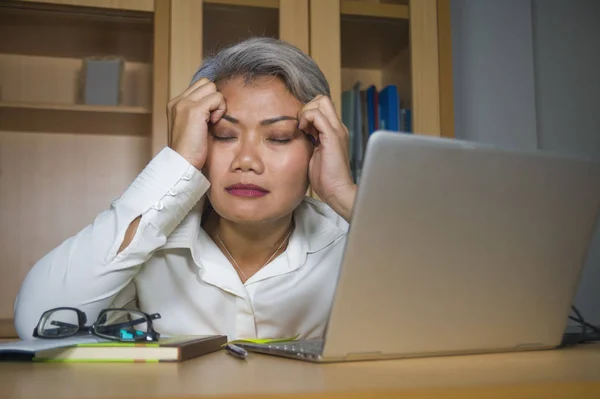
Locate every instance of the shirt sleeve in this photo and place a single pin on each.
(86, 271)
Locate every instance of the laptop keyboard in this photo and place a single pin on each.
(300, 348)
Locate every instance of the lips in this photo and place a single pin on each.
(247, 190)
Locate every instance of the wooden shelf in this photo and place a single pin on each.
(227, 22)
(378, 10)
(76, 107)
(375, 46)
(246, 3)
(75, 120)
(135, 5)
(75, 32)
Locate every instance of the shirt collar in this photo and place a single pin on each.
(315, 229)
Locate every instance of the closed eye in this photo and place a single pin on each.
(280, 141)
(223, 138)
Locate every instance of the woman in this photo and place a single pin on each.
(216, 233)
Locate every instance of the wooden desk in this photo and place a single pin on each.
(566, 373)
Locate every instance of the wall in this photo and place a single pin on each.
(525, 76)
(566, 37)
(493, 72)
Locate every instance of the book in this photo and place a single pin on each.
(389, 102)
(92, 349)
(26, 349)
(372, 109)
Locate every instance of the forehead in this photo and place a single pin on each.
(264, 95)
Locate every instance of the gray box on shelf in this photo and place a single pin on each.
(102, 80)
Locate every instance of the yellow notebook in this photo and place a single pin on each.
(167, 349)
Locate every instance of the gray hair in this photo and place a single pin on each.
(265, 56)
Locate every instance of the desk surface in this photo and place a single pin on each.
(568, 373)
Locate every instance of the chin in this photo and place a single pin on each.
(253, 211)
(244, 211)
(244, 216)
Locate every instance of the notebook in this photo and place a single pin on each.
(91, 349)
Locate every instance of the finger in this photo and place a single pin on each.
(216, 106)
(324, 104)
(202, 92)
(316, 118)
(194, 86)
(311, 132)
(204, 82)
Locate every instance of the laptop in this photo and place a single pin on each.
(457, 248)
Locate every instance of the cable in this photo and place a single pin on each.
(584, 337)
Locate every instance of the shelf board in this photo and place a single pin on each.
(136, 5)
(377, 10)
(246, 3)
(76, 107)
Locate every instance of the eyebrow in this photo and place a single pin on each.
(264, 122)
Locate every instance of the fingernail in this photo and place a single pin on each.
(311, 138)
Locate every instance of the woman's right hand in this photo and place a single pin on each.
(188, 116)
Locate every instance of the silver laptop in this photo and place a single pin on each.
(457, 248)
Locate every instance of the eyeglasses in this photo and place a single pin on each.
(112, 324)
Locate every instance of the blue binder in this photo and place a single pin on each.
(389, 104)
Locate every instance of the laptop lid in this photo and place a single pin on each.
(457, 247)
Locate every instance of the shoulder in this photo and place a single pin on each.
(320, 224)
(318, 209)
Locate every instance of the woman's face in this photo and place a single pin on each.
(257, 160)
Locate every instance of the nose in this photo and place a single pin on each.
(248, 156)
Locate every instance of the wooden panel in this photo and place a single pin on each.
(76, 35)
(56, 80)
(226, 25)
(51, 186)
(185, 44)
(445, 54)
(76, 107)
(325, 46)
(366, 77)
(7, 329)
(249, 3)
(425, 67)
(139, 5)
(398, 72)
(76, 122)
(294, 23)
(372, 9)
(160, 76)
(371, 43)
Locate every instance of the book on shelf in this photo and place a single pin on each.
(366, 111)
(93, 349)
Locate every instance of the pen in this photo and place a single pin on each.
(236, 351)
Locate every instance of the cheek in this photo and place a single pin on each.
(293, 165)
(217, 163)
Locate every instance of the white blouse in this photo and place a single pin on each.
(173, 267)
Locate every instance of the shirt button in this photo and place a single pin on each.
(158, 206)
(186, 176)
(172, 192)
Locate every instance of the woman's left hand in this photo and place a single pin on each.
(329, 167)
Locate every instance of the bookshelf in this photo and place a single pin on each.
(402, 42)
(63, 161)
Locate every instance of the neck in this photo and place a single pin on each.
(250, 245)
